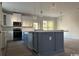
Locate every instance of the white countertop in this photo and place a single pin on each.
(48, 31)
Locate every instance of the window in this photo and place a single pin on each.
(48, 25)
(44, 25)
(35, 26)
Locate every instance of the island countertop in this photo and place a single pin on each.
(47, 31)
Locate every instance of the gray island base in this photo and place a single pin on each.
(47, 43)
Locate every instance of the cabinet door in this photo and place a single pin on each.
(59, 41)
(29, 37)
(46, 43)
(35, 40)
(52, 41)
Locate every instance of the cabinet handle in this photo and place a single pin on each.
(50, 38)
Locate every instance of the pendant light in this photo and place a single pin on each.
(35, 16)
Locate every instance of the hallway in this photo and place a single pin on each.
(16, 48)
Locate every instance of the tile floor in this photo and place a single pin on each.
(71, 48)
(17, 48)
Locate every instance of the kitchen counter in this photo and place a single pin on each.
(47, 31)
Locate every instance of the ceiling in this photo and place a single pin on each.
(41, 8)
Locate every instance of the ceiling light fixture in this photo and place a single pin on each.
(35, 16)
(41, 13)
(41, 10)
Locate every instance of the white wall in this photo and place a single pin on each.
(70, 23)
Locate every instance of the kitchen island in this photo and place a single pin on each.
(46, 43)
